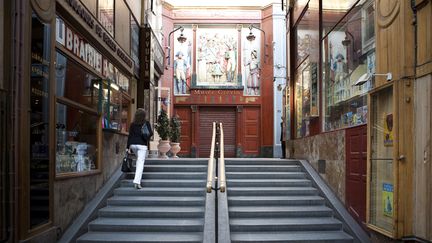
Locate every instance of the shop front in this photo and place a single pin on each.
(78, 94)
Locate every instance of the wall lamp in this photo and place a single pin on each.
(251, 37)
(181, 39)
(367, 76)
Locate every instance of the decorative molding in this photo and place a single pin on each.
(216, 14)
(387, 11)
(45, 9)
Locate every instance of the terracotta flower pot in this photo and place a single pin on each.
(163, 147)
(175, 148)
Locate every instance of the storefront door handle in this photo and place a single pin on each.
(402, 158)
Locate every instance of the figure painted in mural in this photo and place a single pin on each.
(217, 71)
(254, 74)
(230, 63)
(202, 65)
(180, 67)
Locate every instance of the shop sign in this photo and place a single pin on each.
(99, 31)
(147, 33)
(80, 48)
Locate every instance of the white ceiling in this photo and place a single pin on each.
(221, 3)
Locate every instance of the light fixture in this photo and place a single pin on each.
(96, 86)
(251, 37)
(367, 76)
(279, 87)
(182, 39)
(114, 86)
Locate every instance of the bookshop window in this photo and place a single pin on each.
(306, 105)
(114, 105)
(307, 35)
(346, 58)
(77, 139)
(74, 83)
(39, 123)
(106, 15)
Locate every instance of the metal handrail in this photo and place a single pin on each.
(222, 179)
(211, 161)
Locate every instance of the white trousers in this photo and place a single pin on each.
(140, 151)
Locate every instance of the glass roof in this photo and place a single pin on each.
(221, 3)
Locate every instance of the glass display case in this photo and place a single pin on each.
(381, 163)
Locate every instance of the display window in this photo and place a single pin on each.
(348, 55)
(114, 105)
(333, 11)
(306, 93)
(382, 166)
(77, 139)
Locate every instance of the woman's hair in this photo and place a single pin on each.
(140, 116)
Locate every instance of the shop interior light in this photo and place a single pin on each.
(114, 86)
(96, 86)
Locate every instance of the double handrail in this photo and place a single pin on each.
(217, 132)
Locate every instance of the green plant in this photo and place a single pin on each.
(163, 126)
(175, 129)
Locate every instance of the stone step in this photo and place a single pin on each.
(152, 212)
(169, 175)
(178, 161)
(271, 191)
(292, 237)
(166, 183)
(144, 237)
(268, 183)
(160, 191)
(284, 224)
(274, 200)
(146, 225)
(265, 175)
(261, 162)
(155, 201)
(279, 211)
(263, 168)
(174, 168)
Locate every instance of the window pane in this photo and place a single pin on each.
(135, 45)
(76, 133)
(348, 65)
(382, 168)
(299, 5)
(39, 123)
(75, 83)
(333, 11)
(106, 15)
(308, 35)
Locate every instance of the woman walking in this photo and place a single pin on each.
(137, 143)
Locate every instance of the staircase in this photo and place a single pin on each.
(169, 208)
(274, 201)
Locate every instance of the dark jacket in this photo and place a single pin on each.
(135, 135)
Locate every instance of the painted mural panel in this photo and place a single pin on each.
(217, 54)
(182, 63)
(251, 66)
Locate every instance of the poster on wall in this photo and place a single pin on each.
(182, 62)
(251, 66)
(387, 199)
(388, 130)
(217, 56)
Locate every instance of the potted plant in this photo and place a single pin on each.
(175, 135)
(163, 129)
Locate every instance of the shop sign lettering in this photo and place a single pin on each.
(147, 51)
(99, 30)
